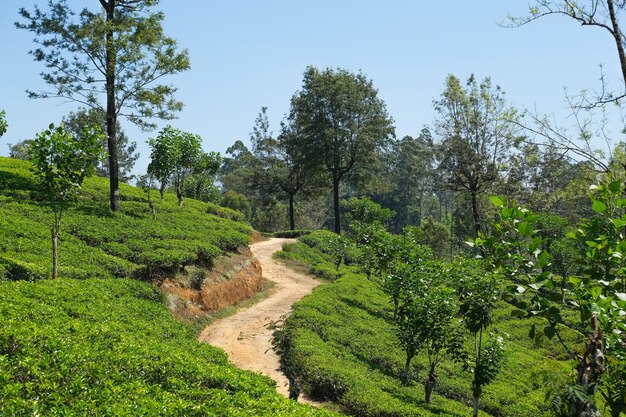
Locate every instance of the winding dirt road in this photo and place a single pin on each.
(244, 335)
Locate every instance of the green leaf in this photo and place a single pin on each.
(525, 228)
(549, 331)
(543, 259)
(496, 201)
(595, 291)
(518, 313)
(615, 187)
(599, 206)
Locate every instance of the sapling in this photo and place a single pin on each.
(61, 163)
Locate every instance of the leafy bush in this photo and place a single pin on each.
(110, 347)
(340, 343)
(99, 244)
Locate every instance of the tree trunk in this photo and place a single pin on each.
(336, 203)
(475, 405)
(181, 199)
(407, 368)
(114, 180)
(475, 213)
(55, 252)
(617, 34)
(592, 364)
(292, 219)
(430, 384)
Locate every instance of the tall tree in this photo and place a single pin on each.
(114, 55)
(341, 123)
(411, 173)
(473, 124)
(126, 156)
(283, 169)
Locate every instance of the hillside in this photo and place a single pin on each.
(340, 343)
(95, 342)
(96, 243)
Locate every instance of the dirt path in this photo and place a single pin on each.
(244, 335)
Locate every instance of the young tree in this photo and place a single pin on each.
(174, 156)
(21, 150)
(341, 124)
(61, 163)
(118, 52)
(3, 123)
(126, 150)
(426, 322)
(201, 183)
(596, 293)
(367, 224)
(474, 125)
(478, 293)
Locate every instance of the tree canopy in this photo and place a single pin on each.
(111, 59)
(341, 123)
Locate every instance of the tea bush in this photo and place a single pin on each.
(96, 243)
(109, 347)
(341, 344)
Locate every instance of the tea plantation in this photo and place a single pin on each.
(341, 344)
(97, 343)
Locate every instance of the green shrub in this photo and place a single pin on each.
(341, 345)
(110, 347)
(97, 243)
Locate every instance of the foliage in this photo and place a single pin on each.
(235, 201)
(127, 153)
(281, 167)
(110, 347)
(596, 291)
(3, 123)
(411, 163)
(362, 213)
(474, 125)
(341, 124)
(342, 345)
(174, 156)
(200, 185)
(337, 247)
(436, 236)
(61, 162)
(99, 244)
(426, 321)
(20, 150)
(118, 53)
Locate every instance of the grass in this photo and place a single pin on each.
(342, 346)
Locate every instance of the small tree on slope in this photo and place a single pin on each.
(61, 163)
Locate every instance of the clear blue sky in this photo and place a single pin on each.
(249, 54)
